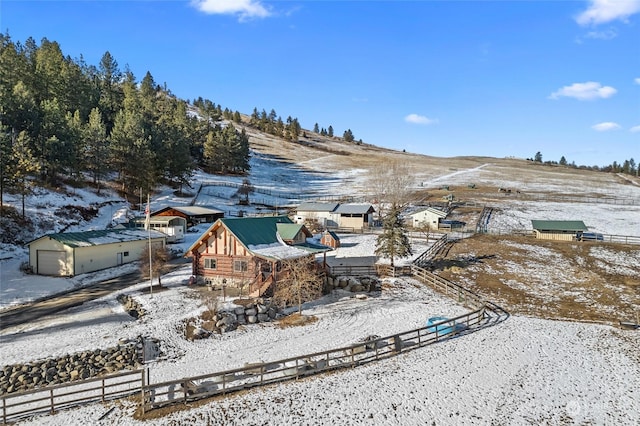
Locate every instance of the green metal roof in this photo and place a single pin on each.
(255, 230)
(313, 248)
(559, 225)
(288, 231)
(103, 236)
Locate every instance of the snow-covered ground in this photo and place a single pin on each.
(520, 371)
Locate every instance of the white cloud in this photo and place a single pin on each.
(584, 91)
(245, 9)
(606, 126)
(636, 80)
(635, 129)
(602, 35)
(603, 11)
(419, 119)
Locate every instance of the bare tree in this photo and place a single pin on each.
(300, 285)
(390, 185)
(159, 258)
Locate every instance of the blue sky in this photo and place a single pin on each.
(442, 78)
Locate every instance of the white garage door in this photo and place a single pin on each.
(51, 262)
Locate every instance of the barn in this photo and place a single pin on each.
(75, 253)
(562, 230)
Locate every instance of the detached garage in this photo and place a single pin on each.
(75, 253)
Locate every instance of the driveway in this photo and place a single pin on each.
(58, 302)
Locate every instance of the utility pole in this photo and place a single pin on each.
(147, 224)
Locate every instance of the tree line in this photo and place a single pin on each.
(62, 119)
(627, 166)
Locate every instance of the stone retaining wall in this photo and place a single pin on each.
(81, 365)
(353, 284)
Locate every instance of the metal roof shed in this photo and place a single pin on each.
(564, 230)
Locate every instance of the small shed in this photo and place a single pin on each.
(429, 217)
(75, 253)
(562, 230)
(192, 214)
(330, 239)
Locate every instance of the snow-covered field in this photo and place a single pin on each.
(521, 371)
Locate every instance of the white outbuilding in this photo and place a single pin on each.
(429, 217)
(74, 253)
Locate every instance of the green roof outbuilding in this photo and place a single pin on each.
(559, 225)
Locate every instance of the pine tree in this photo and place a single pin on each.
(316, 129)
(330, 131)
(24, 166)
(95, 141)
(563, 161)
(393, 243)
(6, 162)
(348, 136)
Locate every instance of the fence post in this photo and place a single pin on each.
(53, 409)
(102, 397)
(142, 401)
(4, 410)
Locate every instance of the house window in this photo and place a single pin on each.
(125, 254)
(240, 266)
(210, 263)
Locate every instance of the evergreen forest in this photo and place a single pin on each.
(63, 120)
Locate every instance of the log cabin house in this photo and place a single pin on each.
(251, 252)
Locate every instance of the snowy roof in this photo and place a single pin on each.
(355, 208)
(317, 207)
(431, 210)
(279, 251)
(190, 210)
(101, 237)
(559, 225)
(158, 219)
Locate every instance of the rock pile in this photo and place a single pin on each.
(81, 365)
(353, 284)
(224, 321)
(131, 306)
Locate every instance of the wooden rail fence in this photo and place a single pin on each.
(188, 389)
(52, 398)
